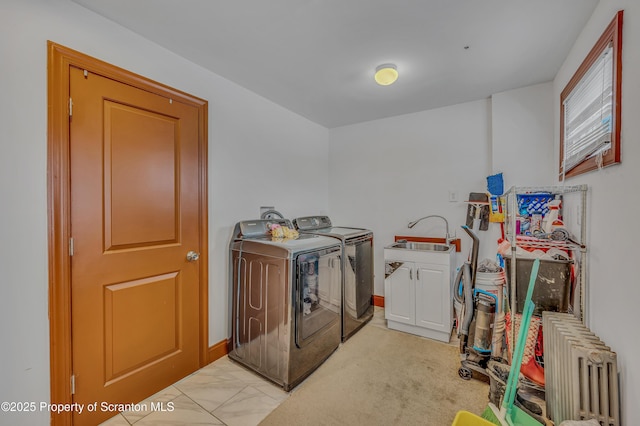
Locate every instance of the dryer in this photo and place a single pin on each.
(285, 315)
(357, 269)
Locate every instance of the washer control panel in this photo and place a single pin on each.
(312, 222)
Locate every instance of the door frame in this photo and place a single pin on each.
(59, 59)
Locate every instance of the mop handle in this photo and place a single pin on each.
(518, 353)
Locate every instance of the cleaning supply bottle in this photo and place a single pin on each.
(551, 219)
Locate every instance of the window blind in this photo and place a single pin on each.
(587, 113)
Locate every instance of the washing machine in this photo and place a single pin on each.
(285, 315)
(357, 269)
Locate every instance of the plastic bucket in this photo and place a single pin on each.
(498, 375)
(493, 282)
(552, 289)
(498, 334)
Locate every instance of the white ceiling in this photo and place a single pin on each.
(317, 57)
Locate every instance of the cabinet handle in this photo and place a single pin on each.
(410, 274)
(418, 274)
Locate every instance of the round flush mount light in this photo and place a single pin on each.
(386, 74)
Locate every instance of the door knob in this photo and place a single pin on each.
(192, 256)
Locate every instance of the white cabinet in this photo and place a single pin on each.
(417, 289)
(400, 294)
(433, 298)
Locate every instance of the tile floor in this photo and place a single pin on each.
(222, 393)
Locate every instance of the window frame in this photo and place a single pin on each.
(612, 35)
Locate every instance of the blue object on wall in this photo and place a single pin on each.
(495, 184)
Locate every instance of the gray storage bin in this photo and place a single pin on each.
(552, 291)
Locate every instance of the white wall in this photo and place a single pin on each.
(255, 147)
(386, 173)
(522, 135)
(613, 287)
(378, 175)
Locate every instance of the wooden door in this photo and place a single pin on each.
(134, 185)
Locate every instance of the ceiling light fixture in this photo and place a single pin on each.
(386, 74)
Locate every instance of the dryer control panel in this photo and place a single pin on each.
(310, 223)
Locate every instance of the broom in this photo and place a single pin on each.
(509, 414)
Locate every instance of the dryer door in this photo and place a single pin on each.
(318, 293)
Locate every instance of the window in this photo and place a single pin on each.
(590, 107)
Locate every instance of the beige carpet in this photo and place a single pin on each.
(383, 377)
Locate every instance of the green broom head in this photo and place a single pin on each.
(490, 416)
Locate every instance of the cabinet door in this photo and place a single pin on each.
(433, 299)
(399, 294)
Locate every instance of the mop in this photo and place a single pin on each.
(508, 414)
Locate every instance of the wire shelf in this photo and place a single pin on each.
(551, 189)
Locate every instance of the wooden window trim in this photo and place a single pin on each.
(613, 34)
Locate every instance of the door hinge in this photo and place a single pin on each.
(70, 246)
(73, 384)
(70, 107)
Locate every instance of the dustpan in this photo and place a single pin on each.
(465, 418)
(509, 414)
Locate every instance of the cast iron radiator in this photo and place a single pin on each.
(581, 374)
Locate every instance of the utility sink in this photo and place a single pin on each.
(417, 288)
(418, 246)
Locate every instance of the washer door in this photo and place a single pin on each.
(318, 293)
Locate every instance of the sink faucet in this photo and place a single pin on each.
(447, 237)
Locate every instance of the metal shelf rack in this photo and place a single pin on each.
(574, 200)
